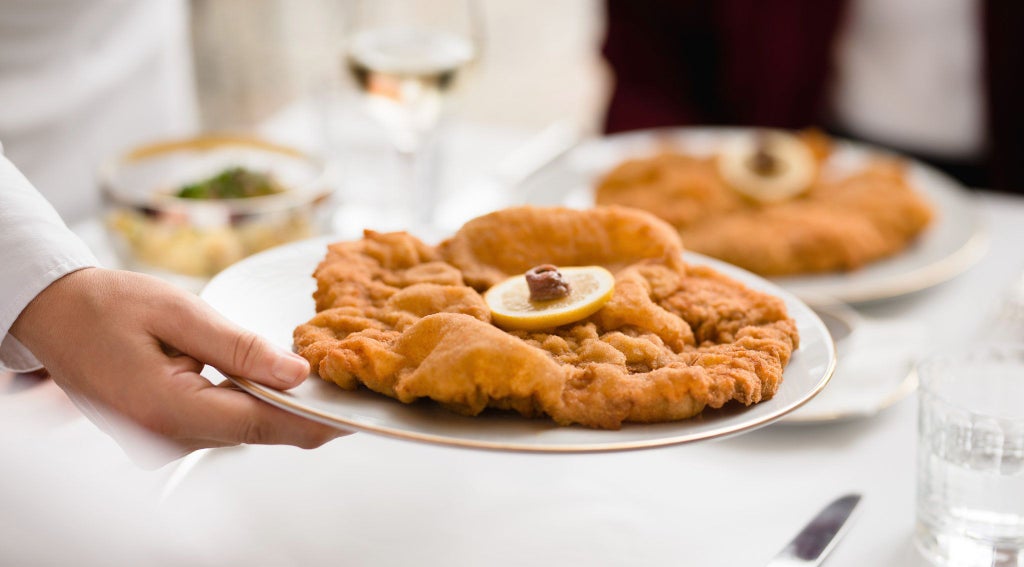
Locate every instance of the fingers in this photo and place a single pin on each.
(191, 333)
(224, 416)
(130, 352)
(201, 333)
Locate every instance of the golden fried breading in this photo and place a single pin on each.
(407, 320)
(490, 248)
(836, 225)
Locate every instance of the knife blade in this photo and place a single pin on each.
(810, 547)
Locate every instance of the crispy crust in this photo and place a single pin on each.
(407, 320)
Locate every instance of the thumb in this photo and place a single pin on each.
(200, 332)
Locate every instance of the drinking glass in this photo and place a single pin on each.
(406, 56)
(970, 493)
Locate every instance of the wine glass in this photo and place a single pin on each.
(405, 57)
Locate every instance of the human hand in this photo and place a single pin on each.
(133, 345)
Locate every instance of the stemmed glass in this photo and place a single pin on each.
(406, 57)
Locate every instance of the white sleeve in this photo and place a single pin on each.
(36, 249)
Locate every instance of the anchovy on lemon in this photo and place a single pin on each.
(769, 167)
(590, 287)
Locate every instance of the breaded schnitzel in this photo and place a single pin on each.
(835, 225)
(407, 320)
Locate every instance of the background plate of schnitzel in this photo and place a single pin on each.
(955, 239)
(271, 293)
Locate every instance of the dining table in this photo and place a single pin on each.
(367, 499)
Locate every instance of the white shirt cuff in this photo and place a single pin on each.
(36, 249)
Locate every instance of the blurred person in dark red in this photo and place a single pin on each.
(940, 80)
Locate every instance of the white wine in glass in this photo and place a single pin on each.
(405, 56)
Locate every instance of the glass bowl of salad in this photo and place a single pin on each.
(187, 209)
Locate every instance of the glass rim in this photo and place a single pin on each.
(928, 371)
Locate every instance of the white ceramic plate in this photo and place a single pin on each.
(271, 293)
(954, 241)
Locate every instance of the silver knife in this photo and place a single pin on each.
(816, 540)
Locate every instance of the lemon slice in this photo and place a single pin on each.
(770, 167)
(511, 308)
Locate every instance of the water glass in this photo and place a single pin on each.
(970, 457)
